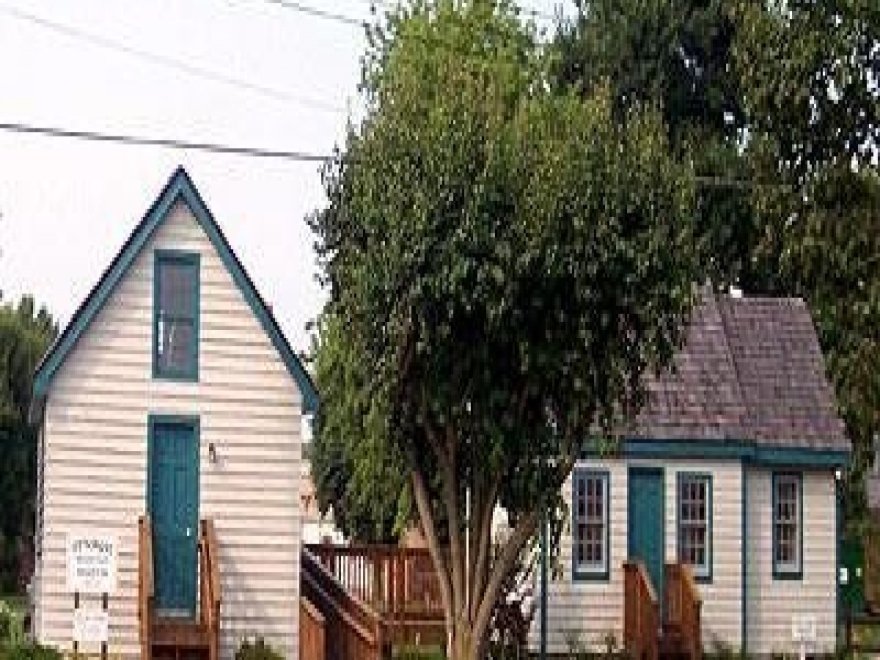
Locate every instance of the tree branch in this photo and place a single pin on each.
(522, 533)
(429, 528)
(484, 541)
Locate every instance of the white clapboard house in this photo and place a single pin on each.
(715, 519)
(170, 422)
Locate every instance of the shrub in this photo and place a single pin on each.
(257, 650)
(29, 651)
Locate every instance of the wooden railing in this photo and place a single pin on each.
(145, 584)
(682, 606)
(312, 633)
(353, 630)
(641, 612)
(399, 584)
(209, 587)
(392, 580)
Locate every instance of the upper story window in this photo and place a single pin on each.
(590, 524)
(176, 315)
(787, 525)
(695, 523)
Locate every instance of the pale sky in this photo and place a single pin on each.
(67, 205)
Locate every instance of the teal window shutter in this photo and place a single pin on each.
(176, 315)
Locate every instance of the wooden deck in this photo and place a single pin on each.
(359, 601)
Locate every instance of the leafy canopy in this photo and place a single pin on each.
(505, 261)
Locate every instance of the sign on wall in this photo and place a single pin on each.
(91, 626)
(91, 563)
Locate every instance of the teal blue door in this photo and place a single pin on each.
(646, 520)
(173, 506)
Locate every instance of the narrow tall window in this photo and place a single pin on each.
(590, 524)
(176, 315)
(787, 521)
(695, 523)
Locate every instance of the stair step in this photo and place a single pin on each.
(183, 634)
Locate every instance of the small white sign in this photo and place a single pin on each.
(844, 575)
(91, 563)
(803, 628)
(90, 627)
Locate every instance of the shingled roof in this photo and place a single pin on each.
(751, 370)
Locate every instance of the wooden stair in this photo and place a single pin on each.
(166, 638)
(176, 639)
(671, 645)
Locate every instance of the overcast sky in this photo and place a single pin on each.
(251, 73)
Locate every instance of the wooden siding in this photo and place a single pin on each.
(586, 611)
(772, 603)
(96, 452)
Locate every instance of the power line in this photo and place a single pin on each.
(131, 140)
(258, 152)
(392, 4)
(169, 62)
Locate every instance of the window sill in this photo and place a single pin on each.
(590, 576)
(782, 574)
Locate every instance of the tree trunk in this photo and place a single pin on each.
(464, 646)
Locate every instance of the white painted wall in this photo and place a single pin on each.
(772, 603)
(587, 611)
(96, 452)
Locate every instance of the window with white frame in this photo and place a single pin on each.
(695, 522)
(787, 514)
(590, 524)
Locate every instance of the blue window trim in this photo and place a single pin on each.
(191, 372)
(580, 574)
(702, 575)
(782, 573)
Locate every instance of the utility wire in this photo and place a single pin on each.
(169, 62)
(209, 147)
(257, 152)
(391, 4)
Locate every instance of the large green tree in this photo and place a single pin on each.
(505, 262)
(810, 75)
(777, 104)
(25, 334)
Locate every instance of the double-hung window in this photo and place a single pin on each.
(787, 522)
(590, 524)
(695, 523)
(176, 315)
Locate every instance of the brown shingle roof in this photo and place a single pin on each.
(751, 370)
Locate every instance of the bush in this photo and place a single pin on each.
(256, 650)
(418, 653)
(29, 651)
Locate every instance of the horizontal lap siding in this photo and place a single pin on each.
(722, 603)
(96, 452)
(584, 612)
(773, 603)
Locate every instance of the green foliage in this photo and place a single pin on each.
(29, 651)
(810, 74)
(675, 54)
(256, 650)
(25, 334)
(505, 262)
(418, 653)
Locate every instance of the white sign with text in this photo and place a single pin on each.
(91, 626)
(91, 563)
